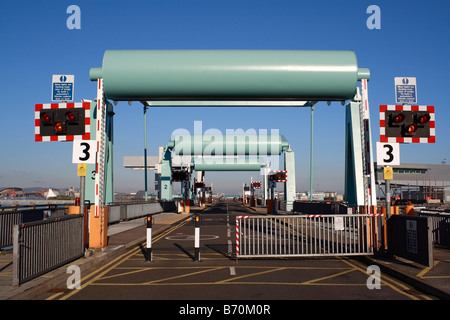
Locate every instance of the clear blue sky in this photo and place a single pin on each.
(36, 43)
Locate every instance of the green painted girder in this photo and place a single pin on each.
(308, 75)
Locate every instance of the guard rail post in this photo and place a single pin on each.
(197, 238)
(149, 238)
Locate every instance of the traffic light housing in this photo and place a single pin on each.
(407, 124)
(180, 175)
(199, 184)
(256, 185)
(54, 122)
(278, 176)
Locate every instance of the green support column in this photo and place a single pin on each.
(289, 186)
(354, 179)
(145, 154)
(90, 168)
(311, 156)
(166, 175)
(109, 159)
(109, 155)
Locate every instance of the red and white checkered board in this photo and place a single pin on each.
(384, 108)
(281, 171)
(87, 122)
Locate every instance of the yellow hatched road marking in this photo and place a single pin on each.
(111, 265)
(183, 275)
(249, 275)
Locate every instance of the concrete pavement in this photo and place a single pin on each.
(434, 281)
(120, 237)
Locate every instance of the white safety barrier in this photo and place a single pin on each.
(305, 235)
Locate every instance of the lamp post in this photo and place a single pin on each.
(145, 151)
(311, 156)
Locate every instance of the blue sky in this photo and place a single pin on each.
(36, 43)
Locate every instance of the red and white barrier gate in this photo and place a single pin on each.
(306, 235)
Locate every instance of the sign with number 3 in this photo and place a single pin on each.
(83, 151)
(388, 154)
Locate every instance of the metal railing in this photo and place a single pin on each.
(7, 221)
(440, 222)
(134, 210)
(305, 235)
(11, 217)
(42, 246)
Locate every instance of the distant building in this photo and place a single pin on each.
(320, 196)
(417, 183)
(11, 192)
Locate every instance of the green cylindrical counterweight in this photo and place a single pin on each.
(228, 164)
(151, 75)
(228, 145)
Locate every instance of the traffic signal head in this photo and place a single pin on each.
(279, 176)
(407, 124)
(256, 185)
(54, 122)
(199, 184)
(180, 175)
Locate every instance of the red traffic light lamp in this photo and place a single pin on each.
(45, 117)
(410, 129)
(70, 116)
(58, 127)
(423, 119)
(398, 118)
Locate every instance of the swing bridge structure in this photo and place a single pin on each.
(233, 78)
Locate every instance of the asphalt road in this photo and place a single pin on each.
(175, 275)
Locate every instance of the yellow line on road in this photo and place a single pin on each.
(313, 281)
(395, 285)
(425, 271)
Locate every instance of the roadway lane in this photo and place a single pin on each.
(174, 275)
